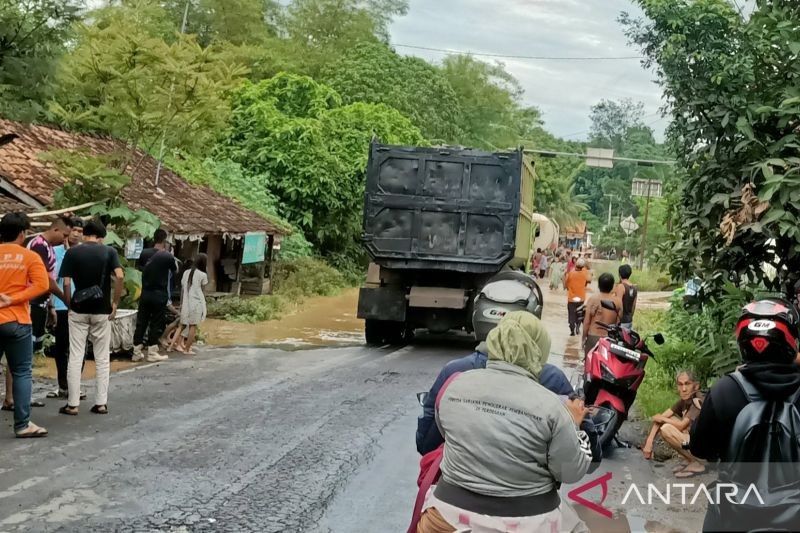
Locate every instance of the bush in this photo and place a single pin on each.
(307, 276)
(293, 282)
(255, 309)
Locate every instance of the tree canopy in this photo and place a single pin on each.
(311, 151)
(33, 34)
(733, 131)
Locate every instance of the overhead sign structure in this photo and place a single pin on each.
(629, 225)
(255, 245)
(599, 157)
(647, 188)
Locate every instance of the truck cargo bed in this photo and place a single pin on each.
(441, 209)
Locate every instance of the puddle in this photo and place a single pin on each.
(323, 321)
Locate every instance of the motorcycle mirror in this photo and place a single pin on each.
(421, 397)
(608, 304)
(659, 339)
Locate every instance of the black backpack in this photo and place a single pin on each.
(763, 453)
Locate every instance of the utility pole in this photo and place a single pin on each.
(644, 228)
(610, 202)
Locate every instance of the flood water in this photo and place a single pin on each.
(323, 321)
(332, 321)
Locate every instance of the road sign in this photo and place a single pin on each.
(599, 157)
(629, 225)
(640, 188)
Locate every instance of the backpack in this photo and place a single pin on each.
(764, 451)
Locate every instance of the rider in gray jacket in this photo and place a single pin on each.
(509, 442)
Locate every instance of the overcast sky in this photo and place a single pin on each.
(563, 90)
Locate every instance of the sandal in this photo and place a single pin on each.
(100, 409)
(7, 407)
(69, 410)
(31, 432)
(681, 467)
(686, 474)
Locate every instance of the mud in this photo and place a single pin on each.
(325, 321)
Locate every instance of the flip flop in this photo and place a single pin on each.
(681, 467)
(34, 433)
(67, 410)
(100, 409)
(7, 407)
(686, 474)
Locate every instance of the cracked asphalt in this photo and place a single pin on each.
(262, 440)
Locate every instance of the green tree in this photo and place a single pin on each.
(124, 79)
(489, 99)
(373, 73)
(238, 22)
(312, 152)
(613, 120)
(733, 132)
(33, 34)
(320, 31)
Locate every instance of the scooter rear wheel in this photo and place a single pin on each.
(607, 437)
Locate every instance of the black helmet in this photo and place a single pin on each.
(768, 331)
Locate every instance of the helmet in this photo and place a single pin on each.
(506, 292)
(768, 331)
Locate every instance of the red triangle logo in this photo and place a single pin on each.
(574, 495)
(759, 344)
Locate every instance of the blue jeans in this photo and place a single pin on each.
(16, 342)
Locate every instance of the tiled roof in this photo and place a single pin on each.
(182, 208)
(9, 205)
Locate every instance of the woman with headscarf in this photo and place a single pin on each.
(509, 442)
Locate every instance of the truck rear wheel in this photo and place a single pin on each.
(380, 332)
(374, 332)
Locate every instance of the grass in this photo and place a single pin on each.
(294, 281)
(657, 392)
(646, 280)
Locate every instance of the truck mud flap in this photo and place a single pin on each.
(382, 303)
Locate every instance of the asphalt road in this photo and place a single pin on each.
(253, 439)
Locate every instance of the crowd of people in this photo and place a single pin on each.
(66, 280)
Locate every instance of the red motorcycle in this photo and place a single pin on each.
(613, 372)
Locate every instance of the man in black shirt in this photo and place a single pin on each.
(767, 335)
(92, 306)
(157, 266)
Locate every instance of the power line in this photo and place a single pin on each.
(512, 56)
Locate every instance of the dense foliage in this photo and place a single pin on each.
(311, 151)
(732, 89)
(33, 34)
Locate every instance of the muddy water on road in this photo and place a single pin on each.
(325, 321)
(332, 321)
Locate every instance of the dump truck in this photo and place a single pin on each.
(438, 224)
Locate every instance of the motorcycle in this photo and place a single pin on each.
(613, 372)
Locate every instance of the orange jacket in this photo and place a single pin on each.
(22, 277)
